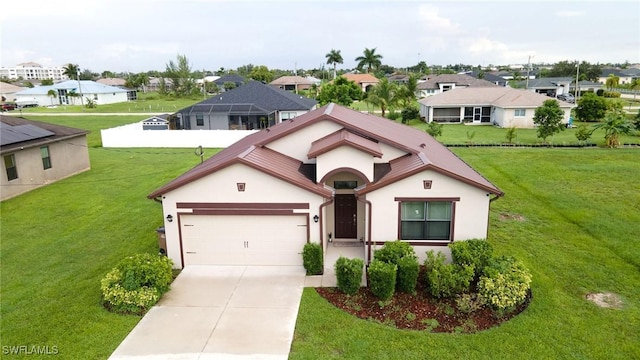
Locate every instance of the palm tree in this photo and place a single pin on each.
(369, 59)
(614, 125)
(408, 91)
(333, 58)
(612, 81)
(383, 95)
(71, 70)
(52, 94)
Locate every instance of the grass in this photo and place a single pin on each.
(579, 235)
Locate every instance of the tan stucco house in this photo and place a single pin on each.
(328, 176)
(35, 154)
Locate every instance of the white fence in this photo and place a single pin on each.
(132, 136)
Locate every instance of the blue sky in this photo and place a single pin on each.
(141, 35)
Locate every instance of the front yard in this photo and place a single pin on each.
(571, 215)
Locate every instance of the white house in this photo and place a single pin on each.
(331, 176)
(64, 91)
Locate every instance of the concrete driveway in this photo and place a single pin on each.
(221, 312)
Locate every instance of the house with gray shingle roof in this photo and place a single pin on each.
(501, 106)
(253, 105)
(445, 82)
(625, 76)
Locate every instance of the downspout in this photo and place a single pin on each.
(489, 212)
(320, 213)
(158, 199)
(367, 202)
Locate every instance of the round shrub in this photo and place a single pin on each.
(505, 283)
(349, 274)
(136, 283)
(410, 113)
(407, 277)
(392, 251)
(382, 279)
(446, 280)
(475, 252)
(312, 258)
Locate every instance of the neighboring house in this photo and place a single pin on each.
(500, 81)
(33, 71)
(157, 122)
(585, 85)
(117, 82)
(330, 175)
(7, 91)
(625, 76)
(35, 154)
(445, 82)
(501, 106)
(365, 81)
(253, 105)
(551, 86)
(230, 78)
(100, 93)
(399, 78)
(292, 83)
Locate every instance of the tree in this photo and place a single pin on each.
(340, 91)
(384, 95)
(548, 118)
(52, 94)
(636, 121)
(86, 74)
(407, 92)
(614, 125)
(333, 58)
(591, 108)
(182, 82)
(369, 59)
(434, 129)
(107, 74)
(71, 71)
(261, 73)
(612, 81)
(229, 85)
(47, 82)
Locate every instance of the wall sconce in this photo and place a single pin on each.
(316, 219)
(169, 218)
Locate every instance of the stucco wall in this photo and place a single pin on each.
(344, 156)
(297, 144)
(221, 188)
(67, 158)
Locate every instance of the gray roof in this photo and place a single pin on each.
(253, 96)
(234, 78)
(18, 133)
(550, 82)
(458, 79)
(489, 77)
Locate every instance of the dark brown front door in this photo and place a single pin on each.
(345, 206)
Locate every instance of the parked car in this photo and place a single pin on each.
(567, 97)
(8, 106)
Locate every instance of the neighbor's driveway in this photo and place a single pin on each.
(221, 312)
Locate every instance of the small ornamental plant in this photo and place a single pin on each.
(504, 284)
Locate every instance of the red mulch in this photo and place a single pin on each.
(406, 311)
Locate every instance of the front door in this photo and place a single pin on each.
(345, 216)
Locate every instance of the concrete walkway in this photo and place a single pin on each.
(221, 312)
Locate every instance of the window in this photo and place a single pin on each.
(521, 112)
(199, 120)
(46, 158)
(425, 220)
(345, 185)
(287, 115)
(10, 165)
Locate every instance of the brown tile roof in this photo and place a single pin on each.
(291, 80)
(504, 97)
(458, 79)
(59, 133)
(361, 78)
(423, 152)
(340, 138)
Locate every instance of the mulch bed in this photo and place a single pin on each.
(416, 312)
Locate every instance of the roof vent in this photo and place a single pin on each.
(423, 145)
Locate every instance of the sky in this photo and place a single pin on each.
(142, 35)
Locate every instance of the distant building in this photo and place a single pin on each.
(446, 82)
(33, 71)
(70, 92)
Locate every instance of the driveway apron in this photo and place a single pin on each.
(220, 312)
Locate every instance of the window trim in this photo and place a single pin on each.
(46, 160)
(426, 242)
(199, 119)
(516, 112)
(14, 167)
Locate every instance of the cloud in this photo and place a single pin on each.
(435, 23)
(481, 47)
(569, 13)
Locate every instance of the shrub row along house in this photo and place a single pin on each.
(329, 175)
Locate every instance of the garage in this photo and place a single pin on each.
(243, 239)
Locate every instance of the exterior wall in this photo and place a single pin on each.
(33, 73)
(106, 98)
(46, 100)
(297, 144)
(67, 158)
(132, 136)
(341, 157)
(505, 117)
(471, 212)
(221, 187)
(388, 153)
(329, 219)
(288, 112)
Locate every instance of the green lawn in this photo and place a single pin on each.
(579, 235)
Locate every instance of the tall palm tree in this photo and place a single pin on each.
(52, 94)
(384, 95)
(369, 59)
(333, 58)
(612, 81)
(407, 92)
(71, 70)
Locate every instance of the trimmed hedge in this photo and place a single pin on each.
(404, 257)
(136, 283)
(407, 277)
(477, 253)
(312, 259)
(349, 274)
(446, 280)
(504, 283)
(382, 279)
(392, 251)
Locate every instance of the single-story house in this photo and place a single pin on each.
(552, 86)
(35, 154)
(501, 106)
(7, 91)
(329, 176)
(500, 81)
(365, 81)
(445, 82)
(398, 78)
(117, 82)
(292, 83)
(236, 79)
(625, 76)
(65, 91)
(253, 105)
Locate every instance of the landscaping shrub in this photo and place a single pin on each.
(446, 280)
(382, 279)
(504, 283)
(407, 276)
(410, 113)
(468, 303)
(312, 258)
(611, 94)
(475, 252)
(600, 92)
(349, 274)
(136, 283)
(392, 251)
(434, 129)
(392, 115)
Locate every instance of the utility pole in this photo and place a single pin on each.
(577, 80)
(80, 89)
(526, 85)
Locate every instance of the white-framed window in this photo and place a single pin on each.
(287, 115)
(520, 112)
(199, 120)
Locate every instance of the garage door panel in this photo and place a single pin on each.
(243, 239)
